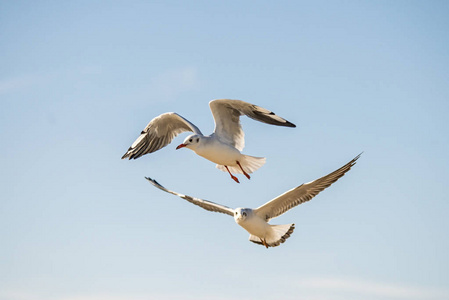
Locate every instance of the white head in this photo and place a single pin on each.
(240, 214)
(191, 142)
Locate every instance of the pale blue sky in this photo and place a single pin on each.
(80, 79)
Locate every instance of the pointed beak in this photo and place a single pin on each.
(181, 146)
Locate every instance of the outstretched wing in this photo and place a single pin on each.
(207, 205)
(159, 133)
(301, 194)
(227, 114)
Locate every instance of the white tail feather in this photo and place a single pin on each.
(248, 163)
(276, 236)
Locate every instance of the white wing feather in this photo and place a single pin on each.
(301, 194)
(159, 133)
(207, 205)
(227, 114)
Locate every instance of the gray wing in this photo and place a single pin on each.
(207, 205)
(227, 114)
(301, 194)
(159, 133)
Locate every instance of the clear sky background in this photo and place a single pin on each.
(79, 80)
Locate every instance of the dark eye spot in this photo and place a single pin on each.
(197, 140)
(190, 140)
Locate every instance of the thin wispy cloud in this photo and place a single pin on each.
(48, 78)
(17, 83)
(374, 290)
(19, 295)
(171, 83)
(168, 296)
(310, 289)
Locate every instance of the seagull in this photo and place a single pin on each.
(222, 147)
(255, 221)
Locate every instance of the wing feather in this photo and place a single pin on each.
(159, 133)
(207, 205)
(227, 114)
(301, 194)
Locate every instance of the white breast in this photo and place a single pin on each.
(255, 225)
(217, 152)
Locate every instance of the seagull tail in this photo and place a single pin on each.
(248, 163)
(275, 236)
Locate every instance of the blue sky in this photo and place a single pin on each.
(79, 80)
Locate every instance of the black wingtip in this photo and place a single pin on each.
(263, 116)
(289, 124)
(154, 182)
(354, 160)
(127, 154)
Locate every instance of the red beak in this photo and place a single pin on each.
(181, 146)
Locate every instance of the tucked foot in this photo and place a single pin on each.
(235, 179)
(246, 174)
(264, 243)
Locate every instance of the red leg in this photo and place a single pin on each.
(246, 174)
(264, 243)
(232, 176)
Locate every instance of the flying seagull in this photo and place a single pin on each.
(255, 221)
(222, 147)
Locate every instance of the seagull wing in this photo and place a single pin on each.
(301, 194)
(207, 205)
(159, 133)
(227, 114)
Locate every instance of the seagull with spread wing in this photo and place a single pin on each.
(255, 221)
(222, 147)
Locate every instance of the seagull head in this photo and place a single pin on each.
(240, 214)
(190, 142)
